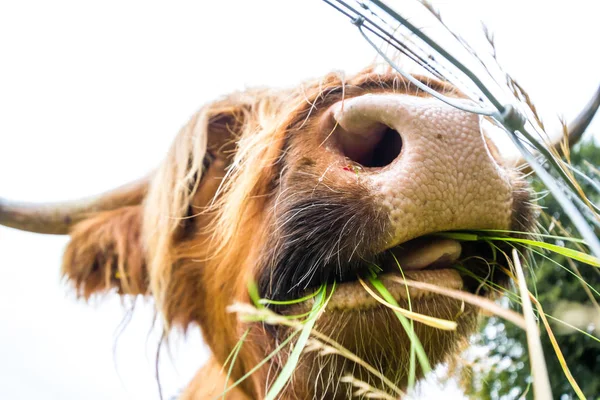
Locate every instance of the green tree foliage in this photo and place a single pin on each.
(504, 372)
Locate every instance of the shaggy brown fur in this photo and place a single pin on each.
(105, 252)
(206, 229)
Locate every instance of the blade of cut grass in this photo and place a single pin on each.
(589, 289)
(294, 357)
(560, 321)
(289, 302)
(478, 301)
(233, 355)
(477, 235)
(412, 360)
(428, 320)
(464, 236)
(558, 352)
(563, 251)
(543, 235)
(585, 285)
(253, 293)
(263, 362)
(414, 340)
(531, 264)
(541, 382)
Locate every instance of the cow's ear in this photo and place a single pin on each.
(107, 250)
(177, 208)
(105, 253)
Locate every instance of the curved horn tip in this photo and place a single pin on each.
(575, 129)
(36, 218)
(58, 218)
(579, 125)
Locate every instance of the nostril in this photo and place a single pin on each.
(386, 151)
(361, 128)
(373, 146)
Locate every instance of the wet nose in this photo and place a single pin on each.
(426, 163)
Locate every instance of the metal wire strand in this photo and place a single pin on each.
(386, 36)
(362, 21)
(450, 101)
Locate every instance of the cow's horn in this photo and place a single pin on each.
(583, 120)
(576, 128)
(58, 218)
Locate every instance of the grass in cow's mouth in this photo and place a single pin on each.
(416, 348)
(301, 329)
(500, 243)
(492, 236)
(306, 327)
(318, 306)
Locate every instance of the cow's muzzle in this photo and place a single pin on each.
(425, 164)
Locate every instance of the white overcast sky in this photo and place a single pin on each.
(91, 95)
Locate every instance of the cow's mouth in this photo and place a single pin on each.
(430, 260)
(443, 262)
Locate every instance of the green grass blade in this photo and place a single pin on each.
(574, 254)
(560, 321)
(294, 357)
(233, 355)
(288, 302)
(568, 270)
(260, 364)
(539, 372)
(412, 363)
(464, 236)
(253, 293)
(414, 340)
(543, 235)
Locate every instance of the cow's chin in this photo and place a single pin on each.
(373, 333)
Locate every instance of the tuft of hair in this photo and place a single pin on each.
(177, 180)
(105, 253)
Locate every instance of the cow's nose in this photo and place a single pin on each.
(428, 164)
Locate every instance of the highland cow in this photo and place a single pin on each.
(293, 189)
